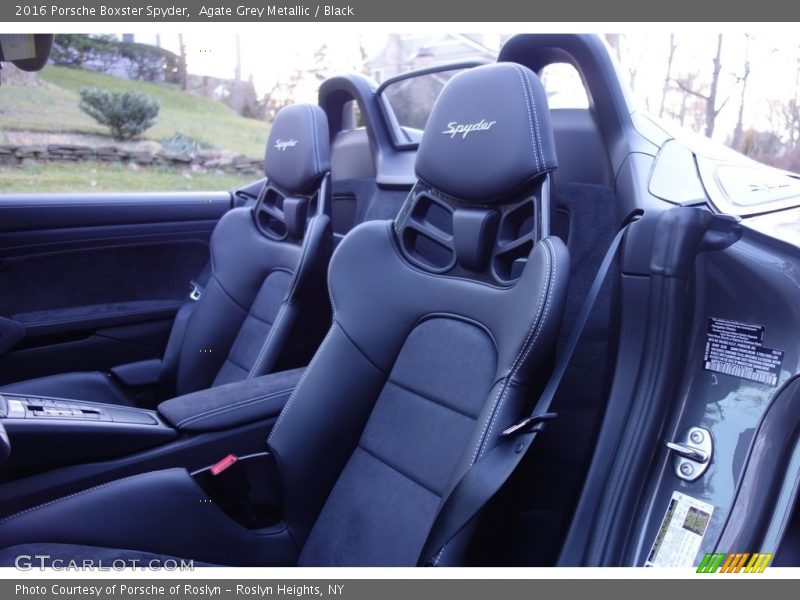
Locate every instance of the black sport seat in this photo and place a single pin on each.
(267, 266)
(443, 333)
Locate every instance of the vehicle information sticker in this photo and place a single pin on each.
(737, 349)
(681, 532)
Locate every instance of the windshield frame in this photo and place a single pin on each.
(399, 134)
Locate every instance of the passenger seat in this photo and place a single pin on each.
(267, 267)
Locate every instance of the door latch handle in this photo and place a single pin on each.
(688, 452)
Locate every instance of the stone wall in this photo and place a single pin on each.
(204, 160)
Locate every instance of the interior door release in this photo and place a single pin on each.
(692, 453)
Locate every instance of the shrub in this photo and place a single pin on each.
(126, 114)
(183, 144)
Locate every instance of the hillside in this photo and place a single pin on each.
(53, 107)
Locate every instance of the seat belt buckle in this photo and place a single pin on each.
(530, 424)
(195, 291)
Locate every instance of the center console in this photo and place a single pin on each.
(39, 408)
(148, 476)
(52, 447)
(46, 432)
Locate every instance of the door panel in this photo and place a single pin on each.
(30, 212)
(90, 349)
(55, 286)
(95, 280)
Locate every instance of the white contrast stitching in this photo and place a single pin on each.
(536, 118)
(238, 404)
(314, 137)
(523, 353)
(553, 275)
(509, 373)
(300, 383)
(528, 108)
(76, 494)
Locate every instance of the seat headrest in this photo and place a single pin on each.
(298, 149)
(488, 135)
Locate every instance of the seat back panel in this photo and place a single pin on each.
(420, 426)
(251, 341)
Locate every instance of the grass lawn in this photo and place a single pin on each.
(54, 107)
(100, 177)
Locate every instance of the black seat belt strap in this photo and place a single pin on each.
(486, 476)
(172, 351)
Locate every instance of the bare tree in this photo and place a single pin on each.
(668, 77)
(363, 56)
(613, 40)
(710, 99)
(777, 146)
(791, 111)
(633, 71)
(691, 110)
(238, 70)
(743, 80)
(621, 48)
(281, 94)
(711, 102)
(236, 100)
(298, 80)
(321, 68)
(182, 70)
(739, 129)
(791, 120)
(797, 73)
